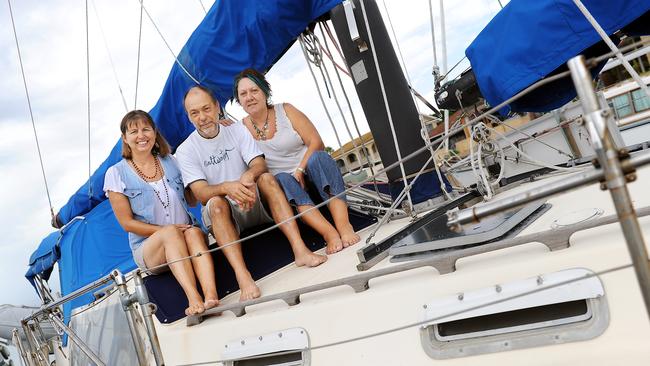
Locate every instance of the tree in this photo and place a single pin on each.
(329, 150)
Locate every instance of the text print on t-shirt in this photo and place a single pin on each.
(216, 159)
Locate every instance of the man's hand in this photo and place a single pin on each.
(241, 193)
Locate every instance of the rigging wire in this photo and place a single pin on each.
(29, 105)
(137, 67)
(108, 52)
(387, 106)
(167, 44)
(535, 138)
(320, 94)
(424, 134)
(433, 320)
(203, 6)
(601, 32)
(354, 120)
(315, 48)
(433, 36)
(90, 186)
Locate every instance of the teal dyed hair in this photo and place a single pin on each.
(256, 77)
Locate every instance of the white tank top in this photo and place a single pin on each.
(286, 149)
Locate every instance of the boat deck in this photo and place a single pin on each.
(392, 301)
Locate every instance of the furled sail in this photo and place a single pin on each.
(529, 40)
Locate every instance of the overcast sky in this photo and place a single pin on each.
(53, 45)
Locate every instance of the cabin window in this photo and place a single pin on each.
(641, 100)
(288, 347)
(622, 105)
(283, 359)
(560, 307)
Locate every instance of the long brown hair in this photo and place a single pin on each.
(161, 147)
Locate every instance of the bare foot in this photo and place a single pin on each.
(248, 290)
(210, 303)
(348, 236)
(196, 306)
(334, 243)
(310, 259)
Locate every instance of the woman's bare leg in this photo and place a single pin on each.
(281, 211)
(203, 265)
(339, 210)
(318, 222)
(166, 245)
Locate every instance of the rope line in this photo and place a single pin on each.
(433, 35)
(427, 321)
(110, 58)
(137, 66)
(601, 32)
(320, 94)
(90, 186)
(167, 44)
(385, 98)
(352, 115)
(424, 134)
(29, 105)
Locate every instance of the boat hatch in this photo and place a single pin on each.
(436, 235)
(287, 347)
(555, 308)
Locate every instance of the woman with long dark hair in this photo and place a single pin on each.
(146, 193)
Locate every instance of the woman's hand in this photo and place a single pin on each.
(183, 227)
(300, 177)
(225, 122)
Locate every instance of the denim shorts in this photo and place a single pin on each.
(322, 172)
(138, 258)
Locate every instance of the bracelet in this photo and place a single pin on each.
(301, 170)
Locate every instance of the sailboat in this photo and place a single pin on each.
(492, 273)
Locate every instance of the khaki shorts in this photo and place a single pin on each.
(243, 220)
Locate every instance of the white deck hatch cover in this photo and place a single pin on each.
(581, 289)
(294, 339)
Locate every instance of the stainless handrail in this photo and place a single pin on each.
(78, 341)
(82, 291)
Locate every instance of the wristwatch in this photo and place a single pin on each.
(301, 170)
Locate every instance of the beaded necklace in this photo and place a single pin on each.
(261, 133)
(165, 203)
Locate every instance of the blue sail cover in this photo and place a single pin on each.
(235, 34)
(528, 40)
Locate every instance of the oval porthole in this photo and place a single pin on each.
(576, 217)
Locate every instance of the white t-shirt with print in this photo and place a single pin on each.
(220, 159)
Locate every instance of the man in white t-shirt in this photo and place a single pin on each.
(226, 171)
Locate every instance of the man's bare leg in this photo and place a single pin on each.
(224, 232)
(318, 222)
(339, 210)
(280, 210)
(203, 265)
